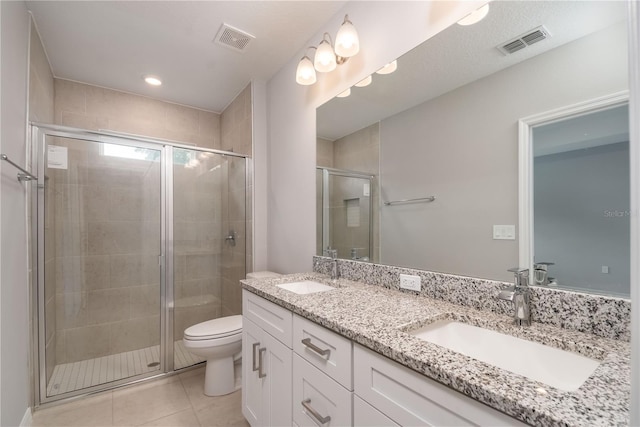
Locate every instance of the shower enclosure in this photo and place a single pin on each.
(134, 240)
(344, 203)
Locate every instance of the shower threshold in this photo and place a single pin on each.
(74, 376)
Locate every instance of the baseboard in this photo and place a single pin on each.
(27, 419)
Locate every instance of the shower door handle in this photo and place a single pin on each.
(253, 360)
(262, 351)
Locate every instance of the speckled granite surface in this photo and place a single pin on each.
(377, 317)
(608, 317)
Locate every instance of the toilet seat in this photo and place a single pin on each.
(214, 329)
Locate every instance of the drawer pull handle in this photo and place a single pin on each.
(311, 346)
(307, 406)
(253, 360)
(260, 360)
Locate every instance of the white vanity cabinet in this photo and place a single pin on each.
(408, 398)
(295, 372)
(322, 376)
(266, 362)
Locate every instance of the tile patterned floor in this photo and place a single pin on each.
(78, 375)
(176, 401)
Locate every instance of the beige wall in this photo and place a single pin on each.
(90, 107)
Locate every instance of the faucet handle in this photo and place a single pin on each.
(333, 253)
(521, 276)
(542, 265)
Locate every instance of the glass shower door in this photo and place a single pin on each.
(99, 276)
(209, 230)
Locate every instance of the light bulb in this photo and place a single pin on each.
(345, 93)
(325, 59)
(364, 82)
(389, 68)
(305, 74)
(475, 16)
(347, 42)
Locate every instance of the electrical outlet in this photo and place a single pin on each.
(410, 282)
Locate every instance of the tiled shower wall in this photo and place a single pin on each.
(107, 273)
(236, 126)
(197, 240)
(107, 234)
(90, 107)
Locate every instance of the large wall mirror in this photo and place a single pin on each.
(439, 136)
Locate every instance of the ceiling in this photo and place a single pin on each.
(114, 43)
(460, 55)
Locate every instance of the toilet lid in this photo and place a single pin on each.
(216, 328)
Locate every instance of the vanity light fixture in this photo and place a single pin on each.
(306, 73)
(344, 94)
(364, 82)
(475, 16)
(152, 80)
(328, 54)
(325, 59)
(389, 68)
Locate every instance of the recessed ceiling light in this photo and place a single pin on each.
(389, 68)
(475, 16)
(364, 82)
(152, 80)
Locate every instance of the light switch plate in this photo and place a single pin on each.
(504, 232)
(410, 282)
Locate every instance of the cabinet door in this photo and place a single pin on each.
(276, 388)
(365, 415)
(251, 385)
(319, 400)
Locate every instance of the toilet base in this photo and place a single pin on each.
(219, 377)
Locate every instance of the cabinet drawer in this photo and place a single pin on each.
(272, 318)
(324, 349)
(314, 391)
(365, 415)
(409, 398)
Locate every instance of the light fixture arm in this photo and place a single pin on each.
(326, 58)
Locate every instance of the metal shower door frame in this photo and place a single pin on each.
(38, 156)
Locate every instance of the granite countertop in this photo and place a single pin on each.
(377, 318)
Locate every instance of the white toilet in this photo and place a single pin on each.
(220, 342)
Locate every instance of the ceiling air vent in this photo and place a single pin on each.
(524, 40)
(233, 38)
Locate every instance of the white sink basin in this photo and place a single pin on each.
(558, 368)
(306, 287)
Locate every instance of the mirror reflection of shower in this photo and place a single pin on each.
(345, 204)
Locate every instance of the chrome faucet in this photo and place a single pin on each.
(518, 294)
(541, 274)
(335, 273)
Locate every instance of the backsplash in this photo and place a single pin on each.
(603, 316)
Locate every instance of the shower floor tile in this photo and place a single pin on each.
(87, 373)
